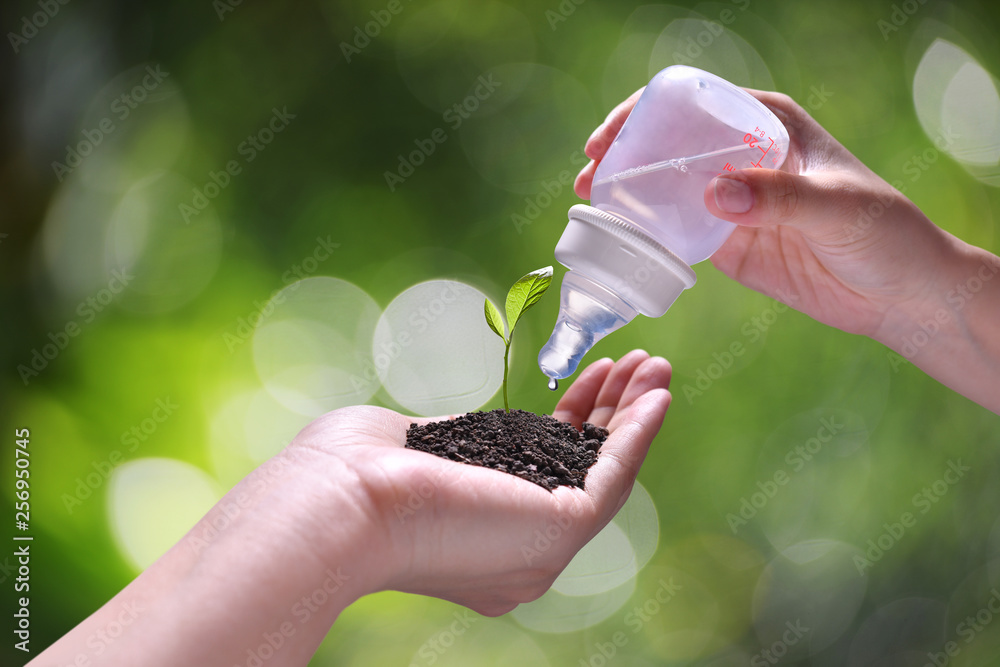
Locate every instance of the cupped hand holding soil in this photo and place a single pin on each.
(458, 531)
(346, 510)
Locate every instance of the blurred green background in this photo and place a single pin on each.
(155, 401)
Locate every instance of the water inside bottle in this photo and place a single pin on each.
(665, 199)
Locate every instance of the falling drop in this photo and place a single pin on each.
(553, 384)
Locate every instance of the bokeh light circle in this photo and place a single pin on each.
(714, 575)
(813, 586)
(958, 106)
(268, 426)
(974, 614)
(606, 562)
(812, 475)
(900, 627)
(153, 502)
(172, 260)
(312, 345)
(617, 553)
(434, 352)
(556, 613)
(525, 134)
(710, 46)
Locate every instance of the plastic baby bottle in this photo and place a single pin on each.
(632, 249)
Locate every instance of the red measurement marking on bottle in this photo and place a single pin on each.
(753, 140)
(756, 139)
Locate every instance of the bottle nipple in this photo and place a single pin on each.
(587, 313)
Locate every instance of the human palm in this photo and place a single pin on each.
(470, 534)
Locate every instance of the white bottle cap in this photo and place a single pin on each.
(615, 272)
(623, 259)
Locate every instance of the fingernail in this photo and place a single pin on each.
(733, 195)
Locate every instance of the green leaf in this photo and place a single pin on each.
(525, 293)
(494, 319)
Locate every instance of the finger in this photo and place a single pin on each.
(601, 138)
(600, 141)
(585, 180)
(768, 197)
(578, 401)
(802, 128)
(653, 373)
(610, 480)
(614, 386)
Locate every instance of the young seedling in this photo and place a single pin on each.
(523, 294)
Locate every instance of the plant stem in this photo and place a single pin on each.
(506, 351)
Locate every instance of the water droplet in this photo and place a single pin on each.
(553, 384)
(684, 168)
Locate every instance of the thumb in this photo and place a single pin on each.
(766, 197)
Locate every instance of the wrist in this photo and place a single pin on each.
(950, 334)
(910, 323)
(280, 556)
(332, 517)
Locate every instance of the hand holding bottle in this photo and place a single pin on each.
(630, 251)
(853, 251)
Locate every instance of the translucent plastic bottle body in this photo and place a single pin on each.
(687, 128)
(630, 251)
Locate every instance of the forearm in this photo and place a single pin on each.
(954, 333)
(252, 578)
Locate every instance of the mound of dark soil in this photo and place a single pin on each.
(537, 448)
